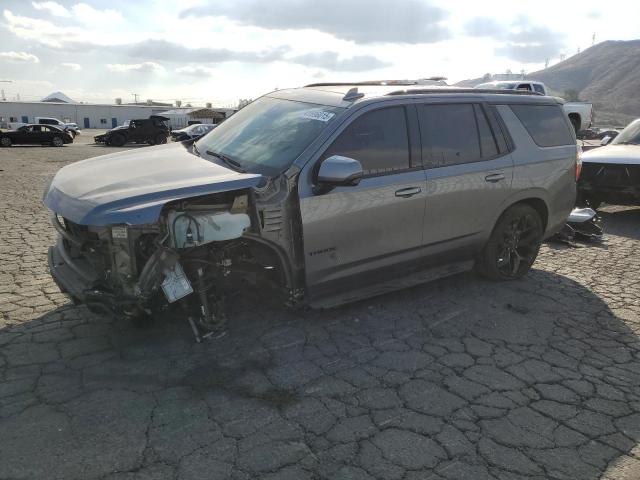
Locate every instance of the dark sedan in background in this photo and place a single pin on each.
(611, 174)
(35, 135)
(191, 132)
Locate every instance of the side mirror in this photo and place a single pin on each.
(605, 141)
(337, 171)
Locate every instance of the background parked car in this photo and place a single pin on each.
(72, 128)
(35, 135)
(191, 132)
(152, 130)
(611, 173)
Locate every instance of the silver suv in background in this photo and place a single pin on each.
(323, 195)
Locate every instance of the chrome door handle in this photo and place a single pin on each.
(408, 192)
(494, 177)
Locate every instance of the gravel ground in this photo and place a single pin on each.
(457, 379)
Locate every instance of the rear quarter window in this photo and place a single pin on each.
(545, 123)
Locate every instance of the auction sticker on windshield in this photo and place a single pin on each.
(320, 115)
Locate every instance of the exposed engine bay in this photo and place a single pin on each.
(199, 252)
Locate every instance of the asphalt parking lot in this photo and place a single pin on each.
(457, 379)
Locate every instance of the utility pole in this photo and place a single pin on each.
(593, 39)
(135, 97)
(2, 97)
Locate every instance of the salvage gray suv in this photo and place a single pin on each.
(321, 195)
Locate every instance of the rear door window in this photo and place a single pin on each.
(545, 123)
(449, 134)
(488, 145)
(377, 139)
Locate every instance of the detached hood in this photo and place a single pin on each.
(132, 187)
(614, 154)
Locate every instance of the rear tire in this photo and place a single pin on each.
(117, 140)
(5, 142)
(513, 245)
(57, 142)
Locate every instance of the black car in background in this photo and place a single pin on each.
(192, 131)
(33, 134)
(152, 130)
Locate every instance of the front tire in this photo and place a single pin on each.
(513, 245)
(57, 142)
(117, 140)
(5, 142)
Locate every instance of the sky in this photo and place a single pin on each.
(221, 51)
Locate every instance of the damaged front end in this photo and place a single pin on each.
(198, 252)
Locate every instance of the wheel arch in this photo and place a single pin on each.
(576, 120)
(535, 199)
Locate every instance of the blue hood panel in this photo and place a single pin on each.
(131, 187)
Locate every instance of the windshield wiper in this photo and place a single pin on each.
(232, 163)
(627, 143)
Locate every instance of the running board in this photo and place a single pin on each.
(392, 285)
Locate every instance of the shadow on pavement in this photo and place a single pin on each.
(460, 378)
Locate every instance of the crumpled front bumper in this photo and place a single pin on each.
(77, 278)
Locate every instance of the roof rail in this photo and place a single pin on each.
(372, 83)
(423, 91)
(362, 84)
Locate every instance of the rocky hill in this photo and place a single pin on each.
(607, 75)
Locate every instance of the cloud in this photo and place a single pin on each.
(19, 57)
(360, 21)
(144, 67)
(53, 8)
(76, 67)
(520, 40)
(161, 50)
(86, 14)
(195, 71)
(484, 27)
(41, 31)
(331, 61)
(530, 53)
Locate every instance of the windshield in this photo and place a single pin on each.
(631, 134)
(267, 135)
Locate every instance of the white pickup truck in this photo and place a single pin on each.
(580, 113)
(70, 127)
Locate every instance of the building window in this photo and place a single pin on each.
(103, 121)
(13, 119)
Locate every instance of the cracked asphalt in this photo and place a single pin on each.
(457, 379)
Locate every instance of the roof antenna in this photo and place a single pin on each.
(352, 94)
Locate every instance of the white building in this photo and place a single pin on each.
(181, 117)
(86, 115)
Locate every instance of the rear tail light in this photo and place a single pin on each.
(578, 162)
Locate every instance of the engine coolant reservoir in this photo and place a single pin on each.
(189, 229)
